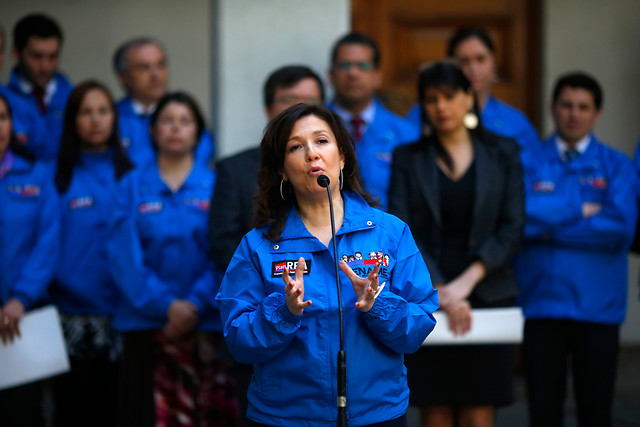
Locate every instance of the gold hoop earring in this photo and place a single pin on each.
(470, 120)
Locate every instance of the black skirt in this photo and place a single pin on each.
(461, 375)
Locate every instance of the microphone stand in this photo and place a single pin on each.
(323, 181)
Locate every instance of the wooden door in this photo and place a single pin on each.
(414, 32)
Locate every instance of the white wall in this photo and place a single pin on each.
(254, 37)
(601, 38)
(94, 29)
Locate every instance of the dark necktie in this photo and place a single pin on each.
(357, 124)
(570, 154)
(38, 92)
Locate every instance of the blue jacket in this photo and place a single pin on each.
(53, 116)
(29, 232)
(158, 248)
(136, 138)
(375, 150)
(500, 118)
(27, 125)
(83, 283)
(294, 358)
(572, 267)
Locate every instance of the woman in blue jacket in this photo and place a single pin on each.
(29, 235)
(90, 162)
(475, 51)
(461, 191)
(278, 299)
(158, 252)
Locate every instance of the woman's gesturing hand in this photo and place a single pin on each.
(294, 289)
(10, 316)
(366, 289)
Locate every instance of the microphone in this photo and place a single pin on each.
(324, 181)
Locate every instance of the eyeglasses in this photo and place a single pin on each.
(360, 65)
(294, 99)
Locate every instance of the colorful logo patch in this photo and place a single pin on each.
(81, 202)
(277, 267)
(544, 186)
(150, 207)
(27, 190)
(598, 182)
(201, 204)
(362, 266)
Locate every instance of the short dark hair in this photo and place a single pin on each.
(288, 76)
(469, 33)
(120, 55)
(71, 145)
(271, 209)
(579, 80)
(357, 38)
(34, 25)
(444, 74)
(179, 98)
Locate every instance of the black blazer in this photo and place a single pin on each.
(232, 206)
(498, 213)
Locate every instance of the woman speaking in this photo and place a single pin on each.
(278, 298)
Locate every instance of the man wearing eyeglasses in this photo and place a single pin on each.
(356, 76)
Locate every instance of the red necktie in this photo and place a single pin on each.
(39, 94)
(357, 124)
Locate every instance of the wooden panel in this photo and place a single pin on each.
(414, 32)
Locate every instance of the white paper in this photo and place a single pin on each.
(39, 352)
(488, 326)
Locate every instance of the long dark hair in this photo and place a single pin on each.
(444, 74)
(14, 145)
(271, 209)
(464, 34)
(184, 99)
(71, 144)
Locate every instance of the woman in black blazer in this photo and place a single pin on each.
(461, 191)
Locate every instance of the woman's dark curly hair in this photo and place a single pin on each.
(271, 209)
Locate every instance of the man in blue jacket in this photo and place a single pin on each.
(573, 268)
(37, 42)
(26, 123)
(141, 67)
(356, 76)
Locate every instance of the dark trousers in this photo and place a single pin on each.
(551, 347)
(398, 422)
(22, 406)
(86, 395)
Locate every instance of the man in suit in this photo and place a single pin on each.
(581, 214)
(141, 67)
(37, 83)
(356, 76)
(232, 204)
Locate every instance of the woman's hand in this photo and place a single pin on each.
(182, 317)
(459, 317)
(294, 289)
(10, 316)
(461, 287)
(366, 288)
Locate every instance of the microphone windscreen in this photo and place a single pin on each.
(323, 181)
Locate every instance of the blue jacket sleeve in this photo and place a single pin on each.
(613, 227)
(548, 209)
(41, 264)
(402, 315)
(257, 327)
(204, 290)
(138, 283)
